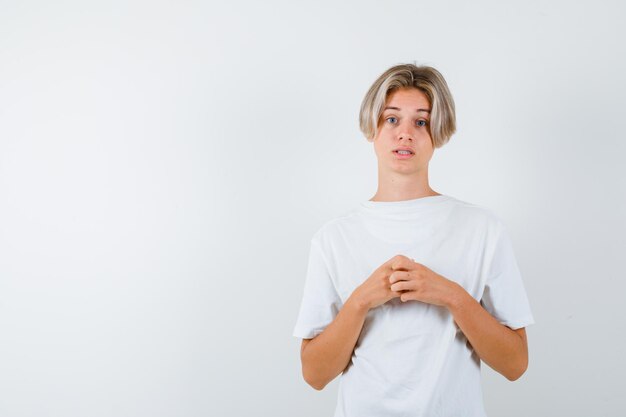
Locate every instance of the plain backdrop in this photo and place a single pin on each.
(163, 166)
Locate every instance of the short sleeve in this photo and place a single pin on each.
(320, 301)
(504, 295)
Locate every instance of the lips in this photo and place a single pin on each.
(399, 155)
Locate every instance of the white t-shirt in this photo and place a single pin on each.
(411, 359)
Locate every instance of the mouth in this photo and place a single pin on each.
(403, 153)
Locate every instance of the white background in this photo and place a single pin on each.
(163, 166)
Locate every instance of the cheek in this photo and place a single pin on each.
(383, 144)
(425, 141)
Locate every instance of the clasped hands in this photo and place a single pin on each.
(402, 277)
(415, 281)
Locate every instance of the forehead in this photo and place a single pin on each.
(408, 99)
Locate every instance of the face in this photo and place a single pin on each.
(404, 124)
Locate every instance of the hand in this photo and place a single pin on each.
(417, 282)
(376, 289)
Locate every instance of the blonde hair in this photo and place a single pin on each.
(442, 124)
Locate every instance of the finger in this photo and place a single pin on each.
(402, 286)
(403, 262)
(399, 276)
(395, 293)
(387, 264)
(407, 296)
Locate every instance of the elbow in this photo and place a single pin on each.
(315, 383)
(514, 377)
(516, 373)
(317, 387)
(314, 375)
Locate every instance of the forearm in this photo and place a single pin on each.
(329, 353)
(497, 345)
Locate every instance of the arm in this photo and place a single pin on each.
(328, 354)
(503, 349)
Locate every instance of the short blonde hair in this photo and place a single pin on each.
(442, 124)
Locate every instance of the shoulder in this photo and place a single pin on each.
(479, 215)
(334, 228)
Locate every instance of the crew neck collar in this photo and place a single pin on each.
(403, 206)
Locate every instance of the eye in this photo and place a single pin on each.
(391, 117)
(422, 123)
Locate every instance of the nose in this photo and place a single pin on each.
(405, 132)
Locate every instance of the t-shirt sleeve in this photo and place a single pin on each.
(504, 295)
(320, 301)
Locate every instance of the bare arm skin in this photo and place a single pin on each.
(503, 349)
(329, 353)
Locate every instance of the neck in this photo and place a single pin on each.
(396, 186)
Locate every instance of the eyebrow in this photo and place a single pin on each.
(397, 108)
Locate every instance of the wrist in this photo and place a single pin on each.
(456, 297)
(358, 304)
